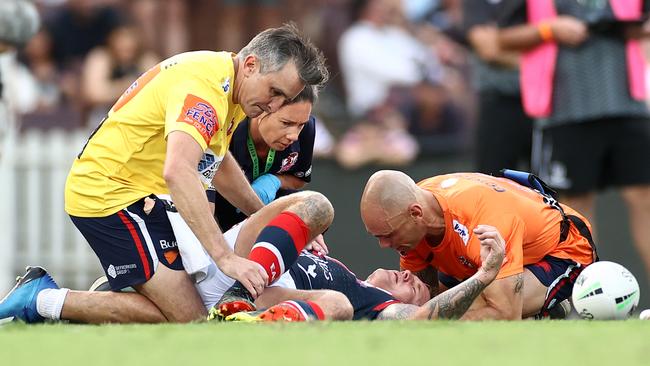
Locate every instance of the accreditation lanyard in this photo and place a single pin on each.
(256, 164)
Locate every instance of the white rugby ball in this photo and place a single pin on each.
(604, 291)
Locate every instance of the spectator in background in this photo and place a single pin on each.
(239, 20)
(19, 21)
(109, 70)
(582, 78)
(78, 27)
(51, 98)
(149, 15)
(377, 56)
(394, 82)
(43, 81)
(503, 132)
(439, 25)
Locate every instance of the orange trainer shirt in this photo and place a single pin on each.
(530, 227)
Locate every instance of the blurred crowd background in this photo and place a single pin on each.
(413, 95)
(409, 83)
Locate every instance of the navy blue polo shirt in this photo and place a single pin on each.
(295, 160)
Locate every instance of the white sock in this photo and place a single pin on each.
(49, 302)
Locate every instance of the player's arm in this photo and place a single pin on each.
(398, 312)
(232, 184)
(451, 304)
(455, 302)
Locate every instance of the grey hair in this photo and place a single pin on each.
(275, 47)
(19, 21)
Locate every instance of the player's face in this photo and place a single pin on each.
(399, 232)
(267, 92)
(403, 285)
(282, 128)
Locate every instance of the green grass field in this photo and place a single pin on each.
(623, 343)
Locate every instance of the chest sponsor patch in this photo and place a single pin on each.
(200, 114)
(462, 231)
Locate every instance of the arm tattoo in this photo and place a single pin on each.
(453, 303)
(519, 282)
(491, 263)
(397, 312)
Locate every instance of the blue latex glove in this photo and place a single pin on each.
(266, 187)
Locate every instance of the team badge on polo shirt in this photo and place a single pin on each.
(288, 162)
(225, 85)
(200, 114)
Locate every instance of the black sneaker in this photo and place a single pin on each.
(561, 310)
(234, 300)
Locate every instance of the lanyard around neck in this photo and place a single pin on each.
(256, 164)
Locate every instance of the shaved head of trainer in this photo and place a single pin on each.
(393, 209)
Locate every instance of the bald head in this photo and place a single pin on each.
(399, 213)
(389, 192)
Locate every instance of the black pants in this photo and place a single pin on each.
(503, 134)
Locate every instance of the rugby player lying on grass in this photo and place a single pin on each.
(385, 295)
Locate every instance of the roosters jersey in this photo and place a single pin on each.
(123, 159)
(530, 227)
(311, 272)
